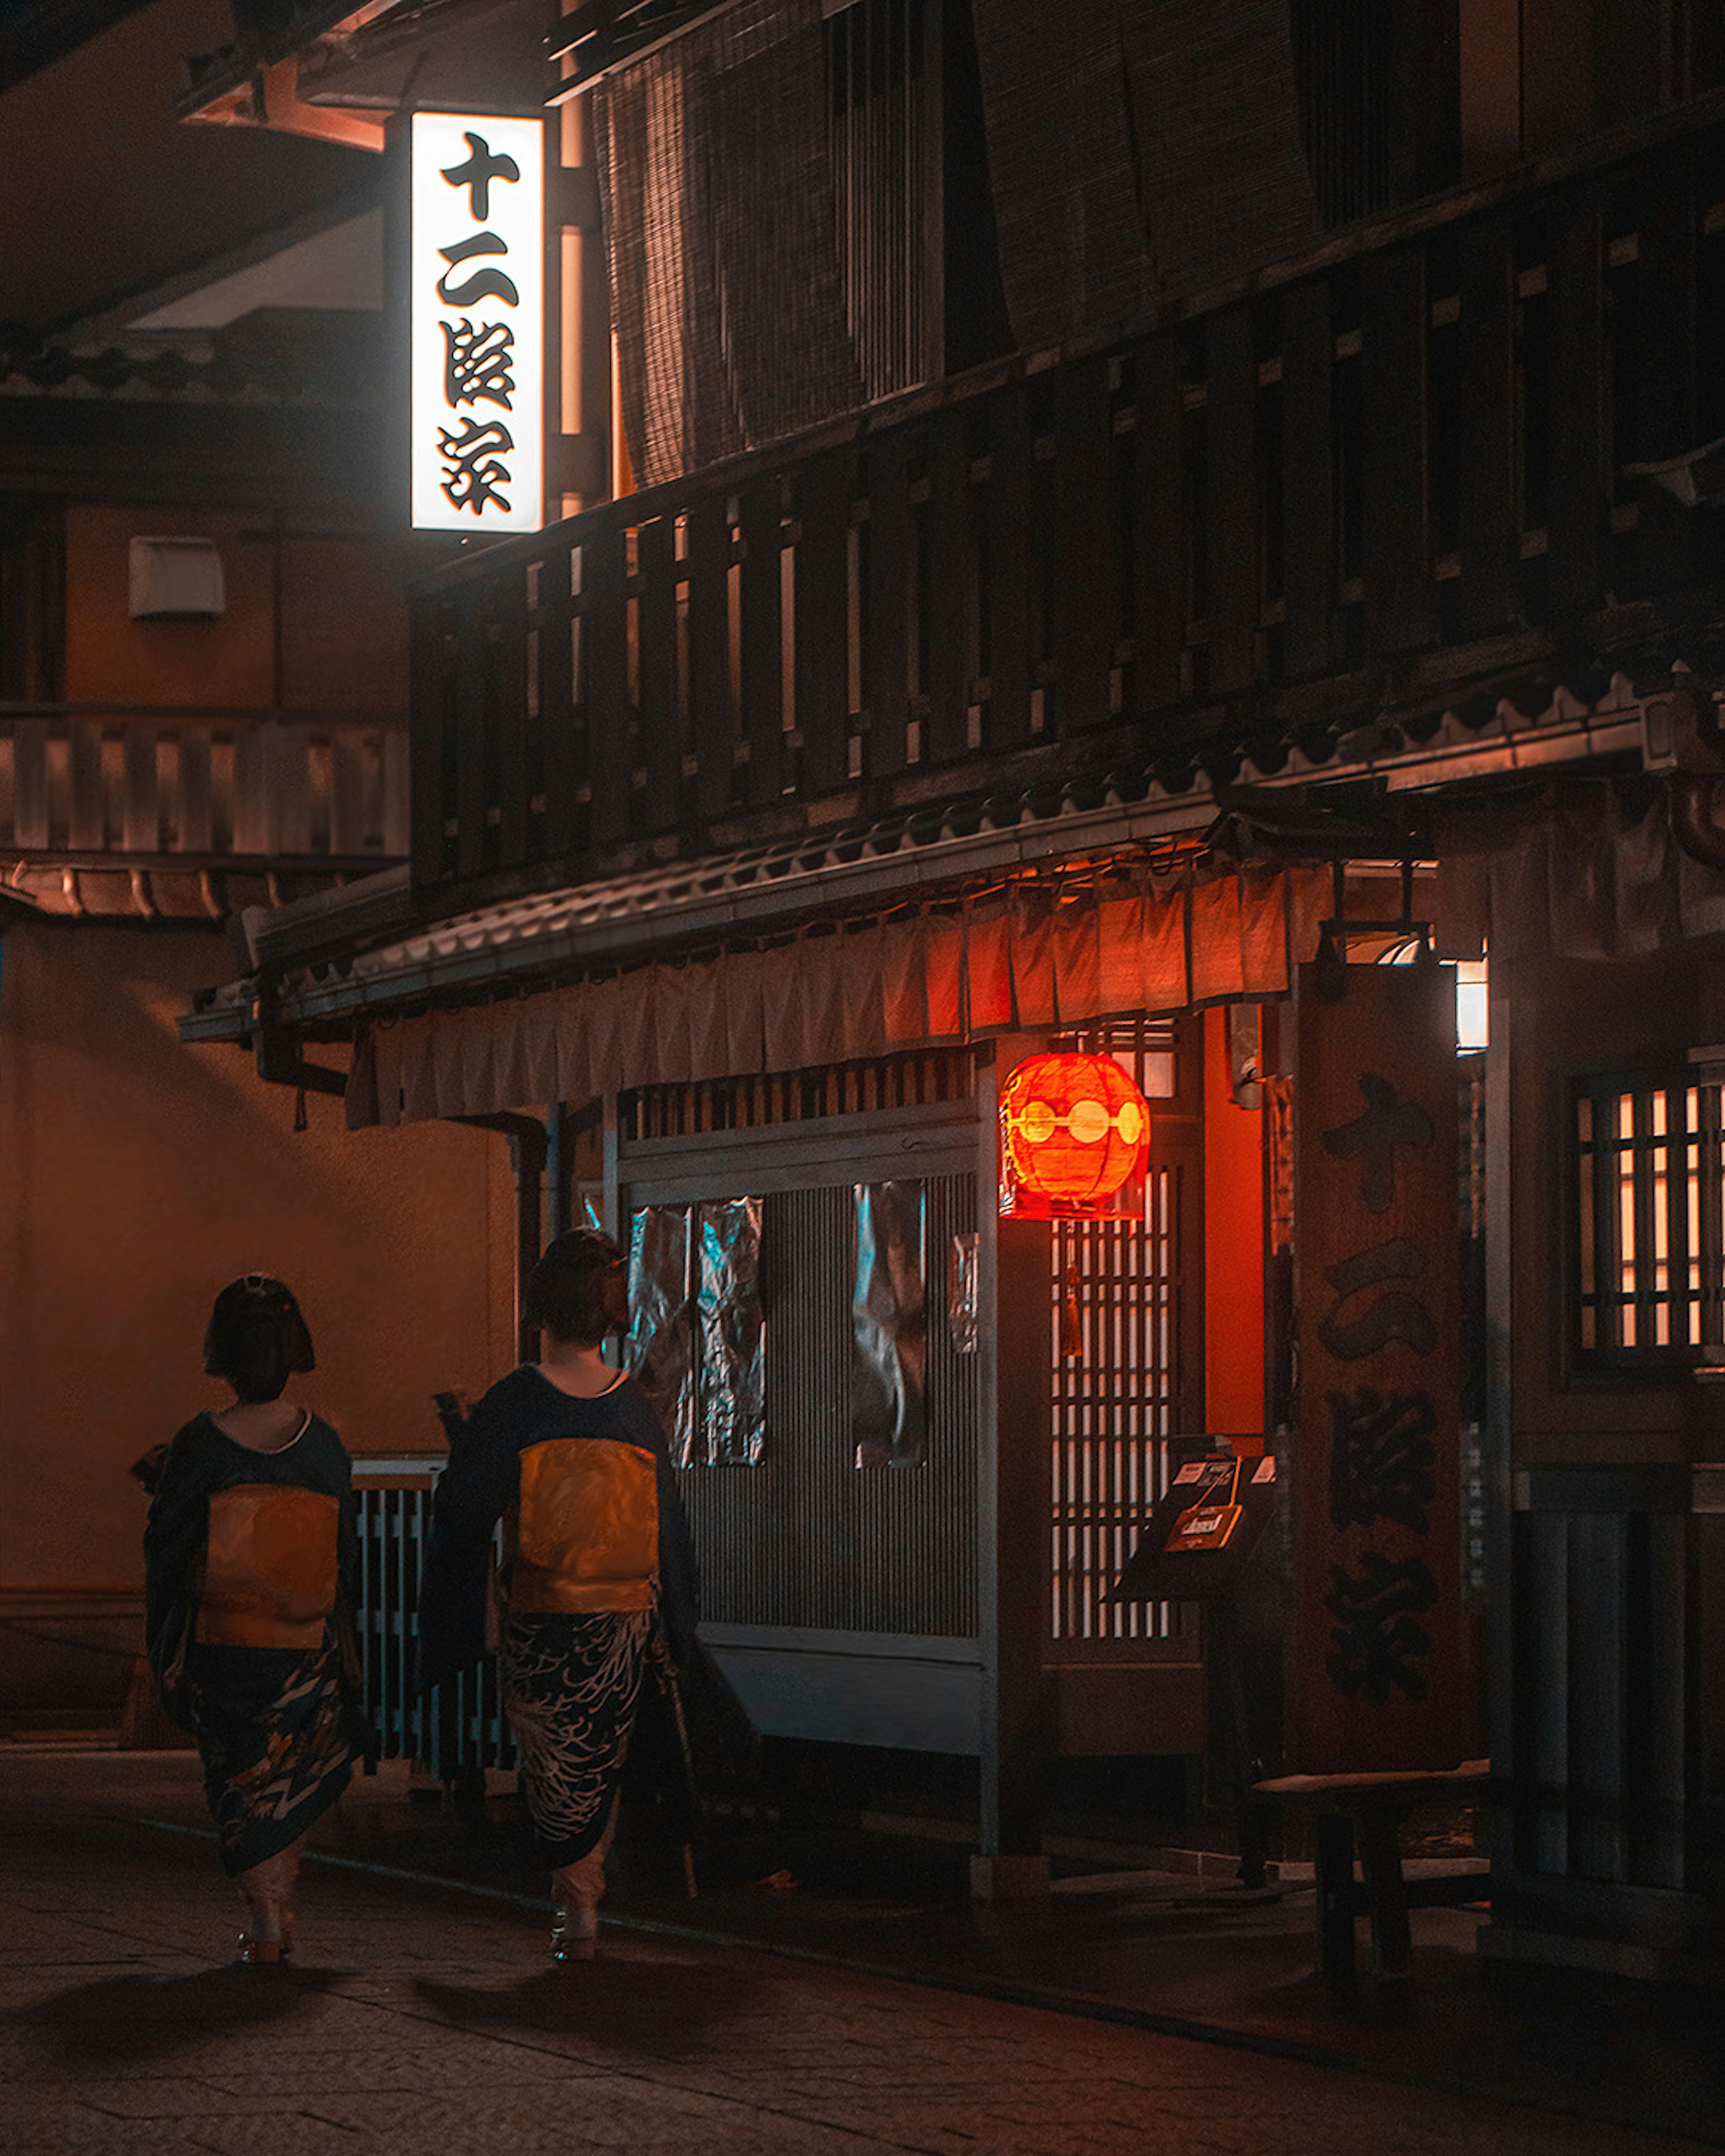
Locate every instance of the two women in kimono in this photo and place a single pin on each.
(251, 1555)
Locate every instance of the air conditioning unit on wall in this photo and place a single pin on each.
(176, 580)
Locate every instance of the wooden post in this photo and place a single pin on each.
(1015, 1404)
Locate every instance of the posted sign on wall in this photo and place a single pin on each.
(477, 285)
(1378, 1676)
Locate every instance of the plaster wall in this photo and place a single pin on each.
(136, 1176)
(314, 621)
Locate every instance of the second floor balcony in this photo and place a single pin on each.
(1459, 439)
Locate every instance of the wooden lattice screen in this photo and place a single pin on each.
(1125, 1296)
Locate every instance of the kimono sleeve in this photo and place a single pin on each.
(175, 1535)
(482, 1478)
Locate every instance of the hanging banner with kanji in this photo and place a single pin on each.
(476, 300)
(1377, 1672)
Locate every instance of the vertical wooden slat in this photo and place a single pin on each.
(427, 693)
(886, 601)
(1231, 503)
(509, 716)
(605, 640)
(290, 787)
(472, 628)
(558, 717)
(28, 739)
(1010, 556)
(87, 820)
(396, 785)
(1657, 1721)
(762, 651)
(194, 820)
(1158, 579)
(709, 652)
(1543, 1692)
(1579, 453)
(252, 833)
(1308, 534)
(1400, 601)
(822, 510)
(1608, 1239)
(1490, 531)
(951, 629)
(1646, 1308)
(661, 747)
(1665, 364)
(1594, 1761)
(1082, 633)
(350, 825)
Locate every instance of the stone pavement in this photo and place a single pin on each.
(419, 2018)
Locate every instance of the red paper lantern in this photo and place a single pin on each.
(1074, 1132)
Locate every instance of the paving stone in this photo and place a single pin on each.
(415, 2021)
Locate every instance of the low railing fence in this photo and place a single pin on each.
(456, 1728)
(200, 786)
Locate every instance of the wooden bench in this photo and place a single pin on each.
(1367, 1810)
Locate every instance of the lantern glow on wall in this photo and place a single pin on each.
(1075, 1135)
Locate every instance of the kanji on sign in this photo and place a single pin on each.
(479, 362)
(476, 173)
(483, 283)
(1378, 1637)
(1373, 1138)
(1381, 1457)
(1397, 1314)
(472, 466)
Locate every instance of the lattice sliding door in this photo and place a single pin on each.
(1125, 1334)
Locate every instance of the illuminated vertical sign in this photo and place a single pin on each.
(477, 284)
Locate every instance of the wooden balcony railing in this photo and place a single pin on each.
(1419, 439)
(200, 787)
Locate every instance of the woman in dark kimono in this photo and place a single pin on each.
(251, 1557)
(597, 1577)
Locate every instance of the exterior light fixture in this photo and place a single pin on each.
(1075, 1133)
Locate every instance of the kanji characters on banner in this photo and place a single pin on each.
(1377, 1677)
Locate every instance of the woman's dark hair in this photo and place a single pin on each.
(256, 1338)
(571, 1293)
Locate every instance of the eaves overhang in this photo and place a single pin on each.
(311, 984)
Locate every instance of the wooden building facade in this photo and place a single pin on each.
(1105, 594)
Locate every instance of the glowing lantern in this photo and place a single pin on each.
(1074, 1132)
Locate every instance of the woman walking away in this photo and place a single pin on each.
(251, 1557)
(598, 1575)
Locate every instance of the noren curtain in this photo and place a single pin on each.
(1028, 960)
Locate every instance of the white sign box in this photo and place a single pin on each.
(477, 283)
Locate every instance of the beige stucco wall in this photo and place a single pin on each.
(137, 1175)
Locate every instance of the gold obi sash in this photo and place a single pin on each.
(270, 1569)
(586, 1533)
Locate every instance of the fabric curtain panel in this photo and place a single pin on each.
(1136, 150)
(722, 230)
(1031, 960)
(1594, 872)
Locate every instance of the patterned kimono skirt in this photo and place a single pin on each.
(571, 1686)
(275, 1730)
